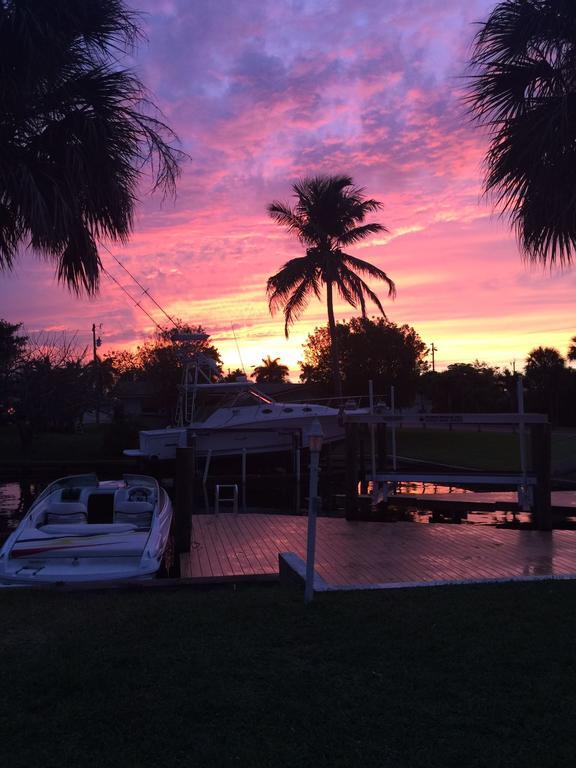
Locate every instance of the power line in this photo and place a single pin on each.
(137, 303)
(145, 291)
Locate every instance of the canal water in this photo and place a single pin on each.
(16, 497)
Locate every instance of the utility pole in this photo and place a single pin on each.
(95, 344)
(433, 349)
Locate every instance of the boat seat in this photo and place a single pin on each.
(139, 513)
(69, 512)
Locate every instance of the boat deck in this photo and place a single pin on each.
(370, 553)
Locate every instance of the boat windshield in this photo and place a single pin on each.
(73, 481)
(145, 480)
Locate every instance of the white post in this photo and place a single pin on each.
(372, 438)
(393, 408)
(522, 441)
(315, 445)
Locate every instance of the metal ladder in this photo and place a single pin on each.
(226, 499)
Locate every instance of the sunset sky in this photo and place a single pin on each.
(263, 93)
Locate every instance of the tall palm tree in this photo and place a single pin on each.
(523, 87)
(328, 216)
(271, 371)
(76, 132)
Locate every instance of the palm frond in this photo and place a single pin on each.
(361, 290)
(78, 264)
(77, 132)
(296, 304)
(365, 268)
(523, 87)
(281, 285)
(356, 234)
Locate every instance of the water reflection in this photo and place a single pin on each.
(460, 514)
(15, 499)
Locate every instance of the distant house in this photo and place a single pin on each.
(138, 402)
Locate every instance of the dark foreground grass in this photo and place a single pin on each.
(460, 676)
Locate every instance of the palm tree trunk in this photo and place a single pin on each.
(334, 348)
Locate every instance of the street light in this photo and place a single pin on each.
(315, 437)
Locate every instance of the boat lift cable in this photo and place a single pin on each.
(239, 353)
(137, 303)
(145, 291)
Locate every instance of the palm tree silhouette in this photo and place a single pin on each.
(328, 216)
(76, 133)
(523, 87)
(270, 371)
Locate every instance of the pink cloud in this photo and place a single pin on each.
(259, 98)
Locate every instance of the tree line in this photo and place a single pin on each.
(48, 382)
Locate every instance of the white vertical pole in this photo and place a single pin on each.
(244, 480)
(521, 439)
(393, 408)
(372, 438)
(311, 543)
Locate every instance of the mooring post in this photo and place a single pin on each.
(541, 464)
(351, 453)
(243, 481)
(184, 502)
(362, 458)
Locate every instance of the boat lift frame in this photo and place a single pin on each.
(525, 483)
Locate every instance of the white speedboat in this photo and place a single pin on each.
(83, 530)
(239, 418)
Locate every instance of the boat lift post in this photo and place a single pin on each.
(524, 499)
(372, 438)
(244, 480)
(205, 479)
(297, 447)
(393, 409)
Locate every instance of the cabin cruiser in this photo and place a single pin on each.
(81, 529)
(228, 419)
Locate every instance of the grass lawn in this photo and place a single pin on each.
(481, 450)
(460, 676)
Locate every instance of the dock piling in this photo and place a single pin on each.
(184, 502)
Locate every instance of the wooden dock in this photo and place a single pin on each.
(370, 553)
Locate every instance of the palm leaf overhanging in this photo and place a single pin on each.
(76, 132)
(329, 215)
(523, 87)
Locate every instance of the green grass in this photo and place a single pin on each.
(481, 450)
(486, 450)
(461, 676)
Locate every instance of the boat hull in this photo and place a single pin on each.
(232, 432)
